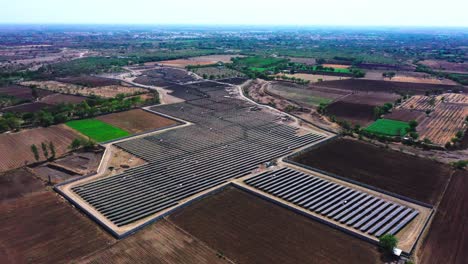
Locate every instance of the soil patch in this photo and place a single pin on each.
(446, 241)
(248, 229)
(42, 228)
(18, 183)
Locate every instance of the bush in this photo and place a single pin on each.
(388, 243)
(461, 164)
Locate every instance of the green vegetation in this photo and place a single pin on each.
(35, 152)
(388, 127)
(461, 164)
(388, 243)
(258, 66)
(381, 110)
(87, 144)
(457, 77)
(97, 130)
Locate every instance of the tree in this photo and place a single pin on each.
(44, 150)
(461, 164)
(52, 150)
(388, 242)
(412, 125)
(35, 152)
(76, 143)
(414, 135)
(389, 75)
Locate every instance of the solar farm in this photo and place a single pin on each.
(358, 210)
(225, 140)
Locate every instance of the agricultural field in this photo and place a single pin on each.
(441, 117)
(162, 242)
(417, 178)
(27, 107)
(315, 78)
(18, 183)
(336, 66)
(164, 77)
(267, 233)
(258, 63)
(97, 130)
(446, 66)
(15, 148)
(424, 79)
(446, 240)
(306, 61)
(406, 115)
(355, 114)
(18, 98)
(55, 99)
(388, 87)
(109, 91)
(388, 127)
(301, 94)
(89, 81)
(216, 72)
(201, 60)
(137, 121)
(42, 228)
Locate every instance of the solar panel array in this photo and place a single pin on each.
(226, 141)
(340, 204)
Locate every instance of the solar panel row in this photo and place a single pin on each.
(339, 203)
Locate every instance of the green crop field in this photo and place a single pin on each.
(388, 127)
(97, 130)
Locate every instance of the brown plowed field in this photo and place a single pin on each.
(445, 65)
(18, 91)
(27, 108)
(90, 81)
(384, 86)
(447, 240)
(406, 115)
(18, 183)
(43, 228)
(15, 148)
(361, 114)
(247, 229)
(55, 99)
(417, 178)
(160, 243)
(370, 98)
(137, 121)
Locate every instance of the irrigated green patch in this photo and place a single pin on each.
(388, 127)
(258, 63)
(97, 130)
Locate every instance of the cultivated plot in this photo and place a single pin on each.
(417, 178)
(248, 229)
(97, 130)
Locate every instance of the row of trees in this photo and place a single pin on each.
(62, 113)
(293, 79)
(48, 151)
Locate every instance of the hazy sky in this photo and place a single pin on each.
(221, 12)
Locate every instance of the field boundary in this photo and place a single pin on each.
(288, 159)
